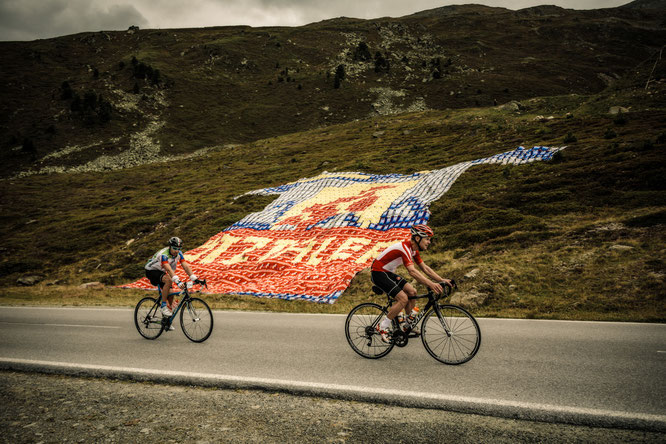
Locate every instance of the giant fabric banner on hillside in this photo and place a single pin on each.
(311, 241)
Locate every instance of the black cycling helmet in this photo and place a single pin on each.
(176, 243)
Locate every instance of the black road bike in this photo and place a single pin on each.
(196, 318)
(448, 332)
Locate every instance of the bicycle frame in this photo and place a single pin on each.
(185, 299)
(449, 333)
(432, 303)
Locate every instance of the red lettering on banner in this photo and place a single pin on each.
(315, 262)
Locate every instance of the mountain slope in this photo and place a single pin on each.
(219, 86)
(581, 237)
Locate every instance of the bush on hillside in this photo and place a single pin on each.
(362, 53)
(339, 76)
(381, 63)
(66, 92)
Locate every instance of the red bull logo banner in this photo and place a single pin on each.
(310, 242)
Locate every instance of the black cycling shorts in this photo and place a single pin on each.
(155, 277)
(390, 283)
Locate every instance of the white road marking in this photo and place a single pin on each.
(240, 312)
(58, 325)
(429, 400)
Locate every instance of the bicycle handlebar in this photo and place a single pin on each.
(448, 289)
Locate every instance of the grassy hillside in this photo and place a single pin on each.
(580, 237)
(178, 91)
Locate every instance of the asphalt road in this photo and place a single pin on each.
(596, 373)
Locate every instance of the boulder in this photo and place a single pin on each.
(29, 280)
(472, 274)
(617, 109)
(469, 299)
(93, 285)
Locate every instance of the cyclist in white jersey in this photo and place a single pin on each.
(383, 275)
(161, 271)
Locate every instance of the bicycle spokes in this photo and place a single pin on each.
(450, 334)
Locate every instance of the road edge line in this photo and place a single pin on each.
(460, 404)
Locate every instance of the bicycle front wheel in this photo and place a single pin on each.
(452, 338)
(148, 318)
(196, 320)
(360, 329)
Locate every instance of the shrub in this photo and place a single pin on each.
(610, 134)
(339, 76)
(28, 146)
(340, 72)
(620, 119)
(76, 105)
(89, 101)
(104, 112)
(381, 63)
(66, 92)
(362, 53)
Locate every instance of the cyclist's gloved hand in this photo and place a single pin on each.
(194, 278)
(176, 280)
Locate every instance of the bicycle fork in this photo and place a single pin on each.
(442, 321)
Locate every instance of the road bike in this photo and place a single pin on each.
(196, 318)
(449, 333)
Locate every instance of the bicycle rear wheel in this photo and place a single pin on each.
(148, 318)
(452, 339)
(196, 320)
(360, 329)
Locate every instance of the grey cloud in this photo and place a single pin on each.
(31, 19)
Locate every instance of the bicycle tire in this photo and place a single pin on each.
(196, 320)
(148, 318)
(361, 334)
(463, 342)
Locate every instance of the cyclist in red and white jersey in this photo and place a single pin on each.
(161, 271)
(383, 274)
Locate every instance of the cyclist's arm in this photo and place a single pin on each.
(432, 275)
(168, 270)
(416, 274)
(186, 267)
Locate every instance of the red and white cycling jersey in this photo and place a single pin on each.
(395, 256)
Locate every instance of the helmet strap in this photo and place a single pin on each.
(418, 243)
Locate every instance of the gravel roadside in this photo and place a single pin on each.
(40, 408)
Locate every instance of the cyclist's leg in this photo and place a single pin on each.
(411, 292)
(156, 278)
(392, 285)
(166, 288)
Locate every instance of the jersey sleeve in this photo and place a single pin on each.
(164, 259)
(406, 257)
(181, 257)
(417, 258)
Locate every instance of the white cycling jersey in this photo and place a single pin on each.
(163, 256)
(396, 255)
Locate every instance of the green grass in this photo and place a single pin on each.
(542, 234)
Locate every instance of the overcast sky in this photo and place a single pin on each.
(34, 19)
